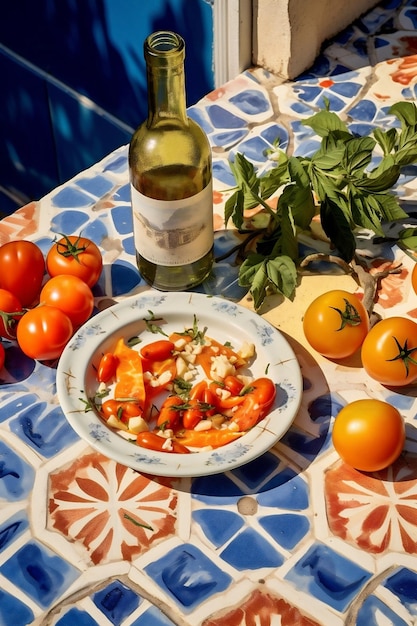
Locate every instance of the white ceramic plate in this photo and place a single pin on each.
(225, 322)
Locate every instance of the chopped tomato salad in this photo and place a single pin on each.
(181, 394)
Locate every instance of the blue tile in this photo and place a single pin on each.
(12, 528)
(374, 612)
(153, 617)
(122, 194)
(96, 185)
(188, 576)
(286, 491)
(403, 583)
(16, 404)
(76, 616)
(96, 230)
(250, 551)
(33, 426)
(122, 219)
(116, 602)
(228, 138)
(287, 529)
(251, 102)
(12, 607)
(117, 164)
(256, 472)
(39, 573)
(16, 476)
(223, 173)
(218, 526)
(328, 576)
(221, 118)
(71, 197)
(124, 277)
(214, 490)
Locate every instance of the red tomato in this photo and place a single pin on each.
(22, 268)
(158, 350)
(77, 256)
(71, 295)
(233, 384)
(369, 434)
(170, 412)
(256, 403)
(43, 332)
(389, 352)
(123, 410)
(107, 367)
(9, 304)
(2, 356)
(335, 324)
(152, 441)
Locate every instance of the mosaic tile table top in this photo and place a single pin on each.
(295, 537)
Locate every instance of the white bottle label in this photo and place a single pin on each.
(175, 232)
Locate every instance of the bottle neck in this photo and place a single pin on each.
(166, 95)
(164, 53)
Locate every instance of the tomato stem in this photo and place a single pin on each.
(404, 353)
(349, 316)
(70, 249)
(9, 322)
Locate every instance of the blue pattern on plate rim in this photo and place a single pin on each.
(226, 307)
(98, 432)
(146, 459)
(265, 332)
(229, 455)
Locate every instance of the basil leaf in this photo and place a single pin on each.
(338, 229)
(324, 122)
(234, 209)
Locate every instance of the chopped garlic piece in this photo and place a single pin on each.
(181, 366)
(221, 367)
(167, 445)
(137, 424)
(114, 422)
(168, 433)
(203, 425)
(180, 343)
(102, 388)
(247, 350)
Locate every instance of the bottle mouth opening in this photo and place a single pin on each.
(164, 44)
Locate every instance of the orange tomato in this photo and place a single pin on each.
(335, 324)
(389, 352)
(369, 434)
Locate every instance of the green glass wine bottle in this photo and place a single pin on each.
(170, 164)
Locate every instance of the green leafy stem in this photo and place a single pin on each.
(336, 183)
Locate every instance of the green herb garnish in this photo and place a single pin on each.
(336, 182)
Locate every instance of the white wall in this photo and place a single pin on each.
(288, 34)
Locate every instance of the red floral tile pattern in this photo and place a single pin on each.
(93, 496)
(376, 512)
(264, 609)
